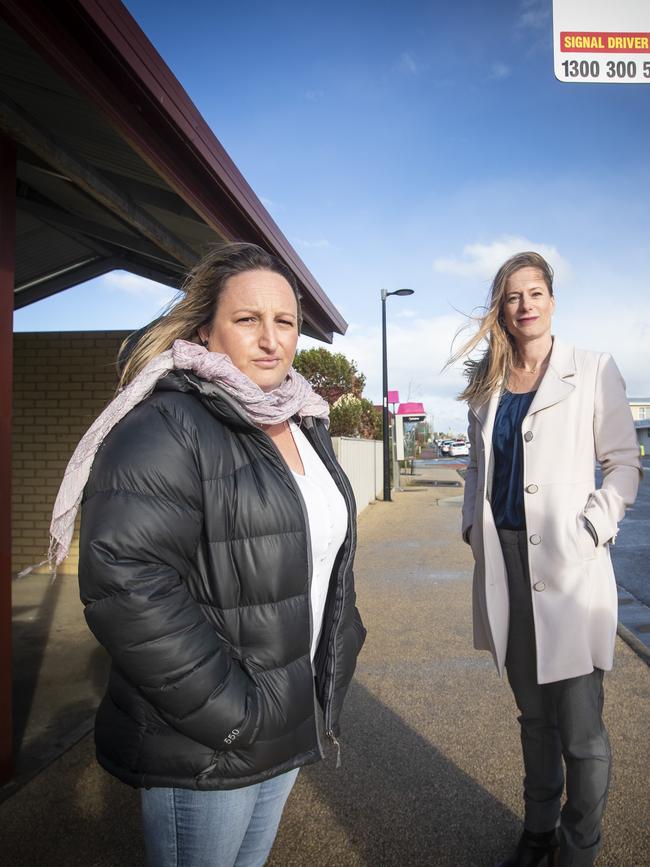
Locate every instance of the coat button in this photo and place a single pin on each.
(539, 586)
(535, 539)
(531, 489)
(528, 436)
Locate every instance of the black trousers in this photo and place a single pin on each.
(559, 721)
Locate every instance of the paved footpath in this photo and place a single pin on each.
(430, 751)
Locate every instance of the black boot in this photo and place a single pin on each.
(535, 850)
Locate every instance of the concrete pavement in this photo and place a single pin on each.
(430, 770)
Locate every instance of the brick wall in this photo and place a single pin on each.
(62, 381)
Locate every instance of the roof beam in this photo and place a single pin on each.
(16, 124)
(86, 270)
(165, 199)
(59, 219)
(71, 275)
(149, 271)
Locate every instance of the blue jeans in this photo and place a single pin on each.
(234, 828)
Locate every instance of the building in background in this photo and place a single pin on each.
(640, 407)
(642, 427)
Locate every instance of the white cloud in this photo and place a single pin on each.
(534, 14)
(320, 244)
(418, 349)
(138, 287)
(499, 71)
(407, 63)
(484, 260)
(622, 331)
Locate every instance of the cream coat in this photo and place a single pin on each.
(579, 414)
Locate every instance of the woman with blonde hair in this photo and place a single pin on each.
(541, 413)
(216, 553)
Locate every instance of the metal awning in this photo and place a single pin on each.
(116, 168)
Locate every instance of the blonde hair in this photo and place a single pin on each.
(197, 304)
(485, 374)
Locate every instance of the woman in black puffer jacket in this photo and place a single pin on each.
(216, 554)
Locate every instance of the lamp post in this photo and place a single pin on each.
(384, 295)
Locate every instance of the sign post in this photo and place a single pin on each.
(602, 42)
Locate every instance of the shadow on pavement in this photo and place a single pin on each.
(72, 814)
(31, 633)
(59, 674)
(396, 800)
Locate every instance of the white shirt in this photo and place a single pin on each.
(328, 522)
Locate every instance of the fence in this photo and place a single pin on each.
(362, 462)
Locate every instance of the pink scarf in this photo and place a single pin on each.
(294, 396)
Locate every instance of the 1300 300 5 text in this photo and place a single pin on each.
(613, 69)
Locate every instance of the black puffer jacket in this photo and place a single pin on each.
(195, 573)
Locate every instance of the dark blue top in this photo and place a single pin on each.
(507, 480)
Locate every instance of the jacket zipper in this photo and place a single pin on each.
(343, 572)
(310, 569)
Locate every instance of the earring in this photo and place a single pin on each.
(204, 343)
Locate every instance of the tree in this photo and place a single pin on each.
(330, 374)
(372, 423)
(338, 380)
(355, 417)
(345, 417)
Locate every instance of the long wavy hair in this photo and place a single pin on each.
(197, 304)
(488, 372)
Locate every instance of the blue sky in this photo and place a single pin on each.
(414, 144)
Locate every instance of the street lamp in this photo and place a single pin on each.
(384, 295)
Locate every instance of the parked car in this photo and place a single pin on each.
(458, 448)
(446, 445)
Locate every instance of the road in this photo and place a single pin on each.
(631, 553)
